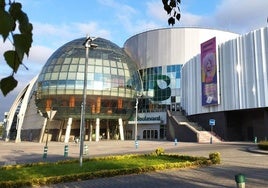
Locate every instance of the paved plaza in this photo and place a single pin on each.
(237, 157)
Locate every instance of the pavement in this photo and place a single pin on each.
(236, 158)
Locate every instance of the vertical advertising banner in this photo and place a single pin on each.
(209, 73)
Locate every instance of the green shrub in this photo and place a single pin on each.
(159, 151)
(263, 145)
(215, 158)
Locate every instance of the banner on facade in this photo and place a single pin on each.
(209, 73)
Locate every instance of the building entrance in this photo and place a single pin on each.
(150, 134)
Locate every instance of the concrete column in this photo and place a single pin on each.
(19, 125)
(97, 132)
(43, 130)
(90, 131)
(68, 130)
(60, 130)
(121, 130)
(107, 130)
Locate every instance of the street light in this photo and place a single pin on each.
(136, 121)
(88, 44)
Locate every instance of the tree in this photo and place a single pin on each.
(173, 10)
(14, 26)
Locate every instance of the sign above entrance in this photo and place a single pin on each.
(150, 118)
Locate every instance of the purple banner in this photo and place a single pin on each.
(209, 73)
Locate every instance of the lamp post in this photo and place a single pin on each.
(136, 121)
(88, 44)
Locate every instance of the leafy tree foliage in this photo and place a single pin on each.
(173, 10)
(14, 26)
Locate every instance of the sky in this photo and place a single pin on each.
(56, 22)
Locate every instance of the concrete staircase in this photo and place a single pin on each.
(184, 126)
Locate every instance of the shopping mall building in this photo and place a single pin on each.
(172, 76)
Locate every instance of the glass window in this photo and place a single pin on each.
(106, 63)
(98, 62)
(98, 69)
(50, 68)
(80, 76)
(90, 76)
(70, 84)
(73, 68)
(127, 73)
(113, 64)
(56, 68)
(98, 85)
(82, 61)
(54, 76)
(53, 83)
(74, 61)
(121, 72)
(65, 68)
(114, 71)
(106, 70)
(53, 61)
(61, 83)
(90, 68)
(119, 65)
(98, 77)
(81, 68)
(79, 84)
(66, 61)
(60, 61)
(47, 76)
(72, 76)
(63, 75)
(125, 66)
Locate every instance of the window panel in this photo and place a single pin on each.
(121, 72)
(98, 69)
(66, 61)
(63, 76)
(72, 76)
(106, 70)
(114, 71)
(73, 68)
(80, 76)
(74, 61)
(54, 76)
(81, 68)
(65, 68)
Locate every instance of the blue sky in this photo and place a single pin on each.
(57, 22)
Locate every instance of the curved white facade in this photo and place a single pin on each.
(242, 73)
(160, 55)
(170, 46)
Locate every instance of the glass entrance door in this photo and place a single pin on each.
(150, 134)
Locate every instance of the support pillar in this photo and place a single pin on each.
(121, 130)
(60, 130)
(107, 130)
(68, 130)
(43, 130)
(90, 131)
(97, 132)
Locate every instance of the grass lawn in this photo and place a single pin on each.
(70, 170)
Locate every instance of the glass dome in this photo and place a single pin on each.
(112, 81)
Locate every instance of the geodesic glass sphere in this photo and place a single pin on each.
(112, 81)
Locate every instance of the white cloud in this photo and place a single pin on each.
(40, 54)
(232, 15)
(156, 11)
(59, 34)
(250, 14)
